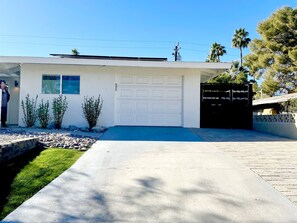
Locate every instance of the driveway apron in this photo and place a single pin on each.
(177, 178)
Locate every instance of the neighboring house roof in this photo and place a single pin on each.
(108, 57)
(275, 99)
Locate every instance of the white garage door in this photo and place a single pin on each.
(148, 100)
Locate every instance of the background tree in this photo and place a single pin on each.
(235, 75)
(223, 78)
(216, 51)
(273, 57)
(240, 40)
(258, 92)
(270, 85)
(74, 52)
(289, 106)
(240, 74)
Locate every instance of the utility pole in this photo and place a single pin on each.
(176, 53)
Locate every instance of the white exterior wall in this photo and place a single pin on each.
(280, 124)
(288, 130)
(191, 100)
(95, 80)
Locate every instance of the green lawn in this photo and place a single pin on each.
(37, 174)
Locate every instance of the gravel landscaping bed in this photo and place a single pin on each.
(52, 138)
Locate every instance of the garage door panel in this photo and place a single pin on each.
(142, 107)
(157, 107)
(125, 107)
(141, 93)
(174, 81)
(158, 80)
(157, 119)
(142, 80)
(149, 100)
(173, 107)
(173, 119)
(126, 79)
(126, 92)
(157, 93)
(174, 94)
(126, 118)
(142, 119)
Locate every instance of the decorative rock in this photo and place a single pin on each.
(52, 138)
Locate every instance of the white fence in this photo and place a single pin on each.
(280, 124)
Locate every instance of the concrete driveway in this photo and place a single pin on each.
(273, 158)
(156, 181)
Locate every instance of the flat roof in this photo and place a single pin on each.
(275, 99)
(79, 56)
(220, 67)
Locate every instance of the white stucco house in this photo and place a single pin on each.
(136, 91)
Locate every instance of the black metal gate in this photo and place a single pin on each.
(226, 106)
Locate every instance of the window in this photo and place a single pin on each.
(70, 84)
(60, 84)
(50, 84)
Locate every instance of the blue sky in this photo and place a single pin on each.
(128, 27)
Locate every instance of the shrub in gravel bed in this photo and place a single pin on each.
(43, 114)
(60, 106)
(29, 110)
(92, 109)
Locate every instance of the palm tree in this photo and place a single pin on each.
(220, 51)
(238, 73)
(216, 51)
(211, 57)
(240, 40)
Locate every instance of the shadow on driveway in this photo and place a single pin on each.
(179, 134)
(139, 133)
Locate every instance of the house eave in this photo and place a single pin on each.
(219, 67)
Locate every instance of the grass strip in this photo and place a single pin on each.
(37, 174)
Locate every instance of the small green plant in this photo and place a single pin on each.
(29, 110)
(92, 109)
(43, 114)
(60, 106)
(74, 52)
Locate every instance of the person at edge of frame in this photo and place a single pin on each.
(5, 99)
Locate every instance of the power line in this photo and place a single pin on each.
(87, 46)
(107, 40)
(89, 39)
(103, 47)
